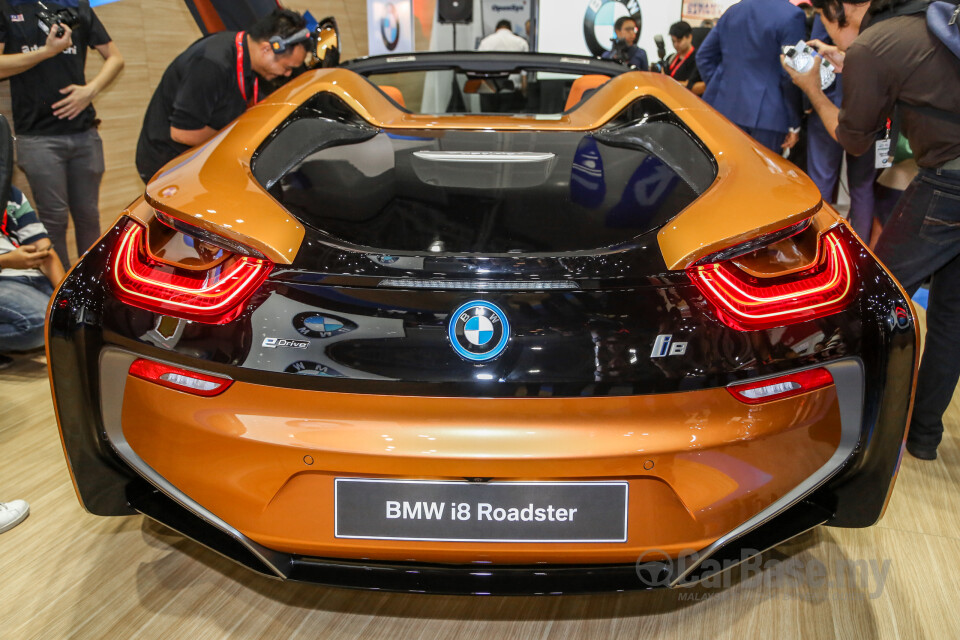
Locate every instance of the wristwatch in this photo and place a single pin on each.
(794, 130)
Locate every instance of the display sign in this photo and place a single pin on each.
(516, 11)
(481, 511)
(389, 27)
(696, 11)
(585, 27)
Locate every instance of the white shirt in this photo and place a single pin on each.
(503, 40)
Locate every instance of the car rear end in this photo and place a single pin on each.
(493, 359)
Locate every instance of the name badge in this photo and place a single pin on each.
(883, 158)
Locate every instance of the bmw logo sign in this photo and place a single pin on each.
(321, 325)
(478, 330)
(390, 27)
(599, 19)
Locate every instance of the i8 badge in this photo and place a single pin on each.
(478, 330)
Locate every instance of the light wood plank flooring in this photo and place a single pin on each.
(67, 574)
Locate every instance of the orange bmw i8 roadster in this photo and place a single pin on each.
(483, 323)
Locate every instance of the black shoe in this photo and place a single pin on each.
(923, 452)
(5, 361)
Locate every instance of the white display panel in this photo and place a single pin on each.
(389, 26)
(571, 26)
(516, 11)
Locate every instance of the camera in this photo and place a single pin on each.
(49, 19)
(800, 57)
(620, 51)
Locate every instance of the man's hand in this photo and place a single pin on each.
(25, 257)
(54, 44)
(791, 139)
(830, 52)
(79, 97)
(808, 82)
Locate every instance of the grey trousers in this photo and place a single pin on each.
(64, 173)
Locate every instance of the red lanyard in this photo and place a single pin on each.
(240, 82)
(675, 65)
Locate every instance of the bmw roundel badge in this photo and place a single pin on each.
(321, 325)
(478, 330)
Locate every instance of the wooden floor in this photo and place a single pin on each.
(67, 574)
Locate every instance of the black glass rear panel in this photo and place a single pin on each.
(445, 191)
(486, 192)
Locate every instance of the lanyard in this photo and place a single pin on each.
(675, 65)
(240, 83)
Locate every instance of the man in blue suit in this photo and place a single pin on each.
(740, 62)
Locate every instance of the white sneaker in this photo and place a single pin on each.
(13, 513)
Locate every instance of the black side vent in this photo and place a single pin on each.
(321, 122)
(648, 125)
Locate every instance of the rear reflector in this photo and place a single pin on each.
(747, 303)
(783, 387)
(199, 384)
(213, 296)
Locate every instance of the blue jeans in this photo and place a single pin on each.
(922, 239)
(23, 308)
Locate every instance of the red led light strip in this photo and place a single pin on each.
(209, 297)
(748, 306)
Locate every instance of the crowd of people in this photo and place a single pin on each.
(894, 106)
(896, 84)
(59, 150)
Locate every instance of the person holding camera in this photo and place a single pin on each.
(682, 65)
(740, 62)
(895, 68)
(624, 50)
(214, 81)
(58, 147)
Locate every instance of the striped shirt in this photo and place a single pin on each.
(19, 226)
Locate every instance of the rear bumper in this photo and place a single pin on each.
(711, 478)
(480, 578)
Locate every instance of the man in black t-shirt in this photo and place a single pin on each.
(58, 147)
(212, 83)
(682, 65)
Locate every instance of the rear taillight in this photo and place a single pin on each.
(747, 302)
(200, 384)
(792, 384)
(213, 295)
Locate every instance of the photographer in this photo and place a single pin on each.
(58, 147)
(624, 50)
(682, 65)
(894, 67)
(212, 83)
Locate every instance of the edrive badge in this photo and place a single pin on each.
(478, 330)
